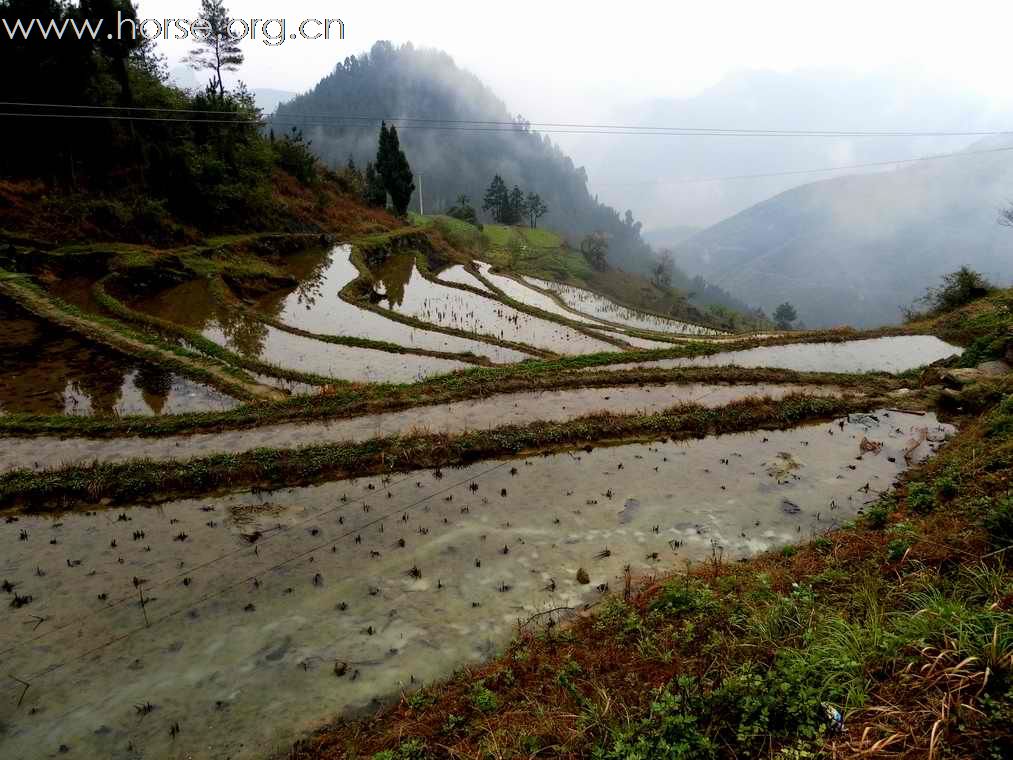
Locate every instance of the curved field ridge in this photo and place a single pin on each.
(49, 451)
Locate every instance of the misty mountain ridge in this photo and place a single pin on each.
(856, 249)
(651, 175)
(450, 156)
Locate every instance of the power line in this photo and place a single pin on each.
(514, 126)
(301, 121)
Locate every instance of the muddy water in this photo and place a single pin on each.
(894, 354)
(153, 618)
(410, 293)
(482, 414)
(461, 276)
(47, 370)
(599, 307)
(316, 307)
(192, 305)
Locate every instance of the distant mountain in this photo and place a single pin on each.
(855, 249)
(651, 173)
(341, 116)
(268, 100)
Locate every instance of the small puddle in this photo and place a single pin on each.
(45, 369)
(249, 619)
(316, 307)
(459, 309)
(482, 414)
(893, 354)
(192, 305)
(599, 307)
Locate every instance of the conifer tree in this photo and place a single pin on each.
(392, 166)
(218, 51)
(497, 200)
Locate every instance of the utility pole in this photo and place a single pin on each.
(421, 210)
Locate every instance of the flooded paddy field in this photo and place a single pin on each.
(458, 274)
(315, 307)
(225, 627)
(526, 295)
(192, 305)
(409, 293)
(892, 354)
(45, 369)
(599, 307)
(458, 417)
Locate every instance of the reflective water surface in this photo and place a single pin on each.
(892, 354)
(410, 293)
(316, 307)
(45, 369)
(192, 305)
(224, 627)
(460, 416)
(600, 307)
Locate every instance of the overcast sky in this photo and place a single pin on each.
(547, 58)
(557, 61)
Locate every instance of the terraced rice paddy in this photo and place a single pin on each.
(457, 273)
(516, 408)
(192, 305)
(47, 370)
(228, 626)
(599, 307)
(462, 310)
(315, 307)
(892, 354)
(519, 292)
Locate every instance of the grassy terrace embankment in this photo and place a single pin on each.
(901, 623)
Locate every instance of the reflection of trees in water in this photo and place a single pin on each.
(311, 270)
(311, 284)
(395, 274)
(245, 335)
(102, 383)
(192, 304)
(155, 386)
(43, 370)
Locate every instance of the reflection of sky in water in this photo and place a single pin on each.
(455, 417)
(243, 637)
(316, 307)
(893, 354)
(462, 276)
